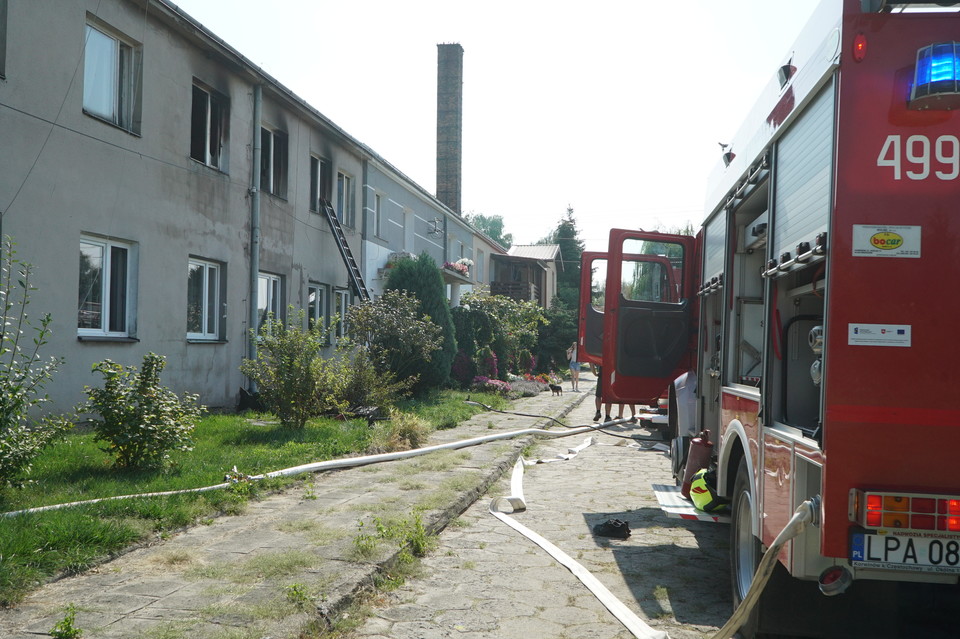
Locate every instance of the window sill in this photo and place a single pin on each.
(197, 340)
(215, 169)
(107, 338)
(279, 196)
(112, 123)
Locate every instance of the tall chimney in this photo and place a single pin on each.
(449, 123)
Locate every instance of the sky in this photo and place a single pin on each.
(614, 108)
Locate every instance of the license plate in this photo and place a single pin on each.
(902, 552)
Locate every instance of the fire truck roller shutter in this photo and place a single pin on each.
(803, 176)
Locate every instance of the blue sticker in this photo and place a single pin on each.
(856, 547)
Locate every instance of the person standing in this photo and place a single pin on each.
(574, 367)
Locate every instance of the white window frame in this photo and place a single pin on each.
(211, 300)
(269, 297)
(274, 148)
(216, 119)
(341, 297)
(377, 214)
(110, 295)
(111, 78)
(3, 38)
(345, 199)
(318, 305)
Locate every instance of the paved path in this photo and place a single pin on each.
(485, 580)
(301, 557)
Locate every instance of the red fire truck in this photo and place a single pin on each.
(806, 327)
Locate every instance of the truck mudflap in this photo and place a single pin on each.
(675, 506)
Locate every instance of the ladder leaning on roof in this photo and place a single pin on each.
(353, 271)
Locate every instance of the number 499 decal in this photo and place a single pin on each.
(918, 155)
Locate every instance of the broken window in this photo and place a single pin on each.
(273, 162)
(319, 182)
(208, 127)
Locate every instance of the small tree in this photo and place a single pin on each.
(23, 375)
(506, 326)
(421, 277)
(295, 381)
(141, 420)
(399, 337)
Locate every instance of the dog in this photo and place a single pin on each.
(557, 389)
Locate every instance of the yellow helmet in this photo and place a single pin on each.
(703, 492)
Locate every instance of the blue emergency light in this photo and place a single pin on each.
(937, 73)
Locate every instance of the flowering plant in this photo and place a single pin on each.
(463, 269)
(483, 383)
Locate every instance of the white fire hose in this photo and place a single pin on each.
(348, 462)
(805, 514)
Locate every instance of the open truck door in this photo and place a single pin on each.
(649, 318)
(593, 279)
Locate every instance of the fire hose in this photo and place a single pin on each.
(348, 462)
(806, 513)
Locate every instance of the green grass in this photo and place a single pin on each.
(446, 409)
(38, 546)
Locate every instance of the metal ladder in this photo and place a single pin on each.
(353, 271)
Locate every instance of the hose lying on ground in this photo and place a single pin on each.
(806, 513)
(348, 462)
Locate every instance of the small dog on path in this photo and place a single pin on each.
(557, 389)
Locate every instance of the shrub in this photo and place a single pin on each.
(403, 431)
(482, 383)
(295, 383)
(141, 420)
(487, 363)
(23, 375)
(421, 278)
(365, 382)
(398, 336)
(464, 369)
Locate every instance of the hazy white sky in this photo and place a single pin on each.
(614, 107)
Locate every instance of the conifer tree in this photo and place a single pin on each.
(421, 277)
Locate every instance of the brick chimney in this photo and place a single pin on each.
(449, 123)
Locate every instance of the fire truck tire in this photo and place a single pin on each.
(679, 447)
(744, 547)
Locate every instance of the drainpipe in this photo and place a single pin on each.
(254, 228)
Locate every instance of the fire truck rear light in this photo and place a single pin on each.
(894, 520)
(896, 502)
(859, 47)
(906, 511)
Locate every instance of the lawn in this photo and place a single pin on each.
(36, 547)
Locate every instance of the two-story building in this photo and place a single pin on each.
(169, 194)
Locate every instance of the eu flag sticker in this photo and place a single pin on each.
(856, 547)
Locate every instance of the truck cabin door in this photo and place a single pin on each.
(593, 280)
(649, 306)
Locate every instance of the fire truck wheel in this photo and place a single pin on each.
(744, 547)
(679, 446)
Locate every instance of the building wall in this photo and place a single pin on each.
(67, 175)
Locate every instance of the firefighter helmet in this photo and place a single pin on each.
(703, 492)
